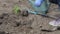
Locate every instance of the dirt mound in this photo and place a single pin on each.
(15, 21)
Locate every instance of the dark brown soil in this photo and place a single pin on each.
(17, 24)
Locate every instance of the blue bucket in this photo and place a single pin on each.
(40, 6)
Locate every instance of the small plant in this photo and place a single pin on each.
(16, 9)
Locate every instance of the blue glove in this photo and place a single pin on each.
(38, 3)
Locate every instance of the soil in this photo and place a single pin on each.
(17, 24)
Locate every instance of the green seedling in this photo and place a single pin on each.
(16, 9)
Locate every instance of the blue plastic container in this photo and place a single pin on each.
(40, 6)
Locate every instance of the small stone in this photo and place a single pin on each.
(4, 4)
(30, 27)
(17, 24)
(1, 17)
(0, 23)
(24, 13)
(40, 26)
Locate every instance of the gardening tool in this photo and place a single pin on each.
(40, 6)
(44, 15)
